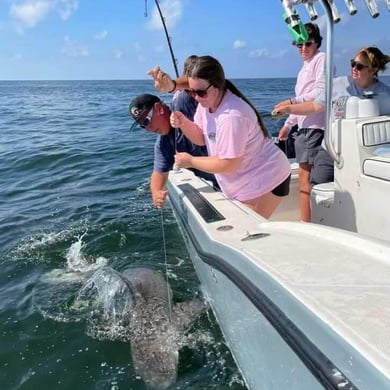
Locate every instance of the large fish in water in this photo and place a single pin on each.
(157, 326)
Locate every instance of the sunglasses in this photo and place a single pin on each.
(358, 65)
(300, 45)
(146, 121)
(200, 92)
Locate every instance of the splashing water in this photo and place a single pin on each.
(106, 301)
(76, 261)
(55, 291)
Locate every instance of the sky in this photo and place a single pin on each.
(122, 39)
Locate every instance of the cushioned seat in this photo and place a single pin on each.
(376, 133)
(378, 167)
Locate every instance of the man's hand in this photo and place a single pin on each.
(158, 198)
(162, 81)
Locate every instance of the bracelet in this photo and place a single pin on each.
(174, 87)
(291, 102)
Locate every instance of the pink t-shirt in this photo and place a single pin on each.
(233, 131)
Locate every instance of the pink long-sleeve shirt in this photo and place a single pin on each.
(310, 83)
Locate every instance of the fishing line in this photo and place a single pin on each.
(174, 61)
(166, 263)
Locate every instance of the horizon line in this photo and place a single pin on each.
(233, 78)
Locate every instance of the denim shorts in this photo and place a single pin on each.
(307, 144)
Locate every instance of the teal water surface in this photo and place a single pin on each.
(74, 199)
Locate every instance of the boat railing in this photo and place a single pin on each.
(332, 17)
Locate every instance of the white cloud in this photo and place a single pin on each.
(101, 35)
(238, 44)
(171, 10)
(258, 53)
(265, 53)
(65, 8)
(74, 48)
(31, 12)
(117, 53)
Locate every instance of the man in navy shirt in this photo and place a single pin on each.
(152, 114)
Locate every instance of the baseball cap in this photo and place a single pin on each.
(140, 106)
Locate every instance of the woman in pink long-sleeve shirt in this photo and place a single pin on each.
(310, 83)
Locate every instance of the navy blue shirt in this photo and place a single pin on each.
(164, 148)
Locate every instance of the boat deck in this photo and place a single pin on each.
(343, 280)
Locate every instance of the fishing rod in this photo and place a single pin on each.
(174, 60)
(168, 38)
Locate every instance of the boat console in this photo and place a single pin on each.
(357, 199)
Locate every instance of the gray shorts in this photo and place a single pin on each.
(307, 144)
(323, 168)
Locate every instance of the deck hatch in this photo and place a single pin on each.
(208, 212)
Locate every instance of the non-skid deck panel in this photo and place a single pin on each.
(345, 283)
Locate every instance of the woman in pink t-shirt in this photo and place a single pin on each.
(247, 164)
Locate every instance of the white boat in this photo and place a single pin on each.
(302, 305)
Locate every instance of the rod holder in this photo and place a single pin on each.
(372, 8)
(335, 12)
(294, 23)
(351, 7)
(311, 10)
(291, 17)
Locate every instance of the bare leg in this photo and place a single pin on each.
(265, 204)
(304, 191)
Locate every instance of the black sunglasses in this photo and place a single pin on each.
(200, 92)
(358, 65)
(300, 45)
(146, 121)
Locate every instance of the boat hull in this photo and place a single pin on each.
(277, 322)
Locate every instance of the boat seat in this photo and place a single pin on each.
(376, 133)
(378, 167)
(376, 160)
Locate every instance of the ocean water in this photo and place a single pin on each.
(74, 201)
